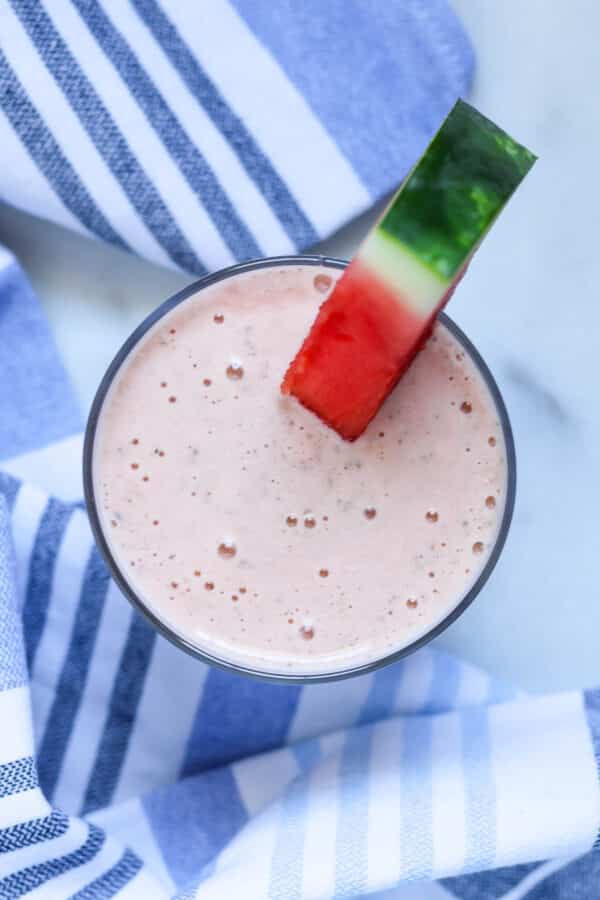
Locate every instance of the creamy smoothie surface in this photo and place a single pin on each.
(252, 529)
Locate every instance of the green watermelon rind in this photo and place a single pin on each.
(450, 199)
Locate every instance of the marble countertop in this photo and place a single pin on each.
(529, 303)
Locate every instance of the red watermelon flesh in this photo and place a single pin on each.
(362, 321)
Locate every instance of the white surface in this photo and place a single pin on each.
(529, 302)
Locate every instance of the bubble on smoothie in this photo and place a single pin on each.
(309, 521)
(292, 521)
(235, 370)
(307, 631)
(478, 547)
(370, 512)
(227, 549)
(322, 283)
(466, 407)
(323, 573)
(490, 502)
(219, 318)
(412, 602)
(492, 441)
(431, 515)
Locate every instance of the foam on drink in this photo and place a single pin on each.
(346, 552)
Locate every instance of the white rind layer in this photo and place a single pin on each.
(414, 283)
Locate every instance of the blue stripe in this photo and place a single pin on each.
(122, 710)
(74, 672)
(49, 158)
(9, 486)
(480, 793)
(237, 717)
(182, 149)
(491, 885)
(379, 76)
(353, 819)
(189, 894)
(36, 399)
(17, 776)
(13, 669)
(445, 683)
(41, 572)
(307, 754)
(26, 880)
(381, 699)
(112, 881)
(107, 138)
(579, 880)
(34, 831)
(416, 813)
(254, 161)
(287, 861)
(193, 820)
(591, 700)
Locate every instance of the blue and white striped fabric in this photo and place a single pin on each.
(130, 770)
(200, 134)
(127, 769)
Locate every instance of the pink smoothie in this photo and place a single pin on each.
(253, 530)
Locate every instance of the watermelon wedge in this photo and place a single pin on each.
(382, 309)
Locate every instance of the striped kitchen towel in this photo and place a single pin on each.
(197, 134)
(130, 770)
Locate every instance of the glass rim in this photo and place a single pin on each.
(174, 636)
